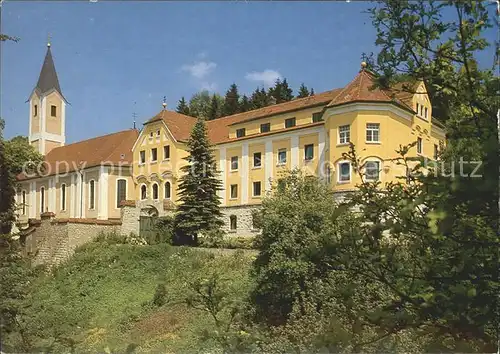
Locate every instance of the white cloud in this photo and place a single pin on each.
(209, 86)
(200, 69)
(268, 76)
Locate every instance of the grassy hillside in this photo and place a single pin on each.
(102, 299)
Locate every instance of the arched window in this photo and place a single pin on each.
(24, 202)
(92, 194)
(143, 192)
(121, 191)
(42, 200)
(233, 222)
(155, 191)
(167, 190)
(63, 196)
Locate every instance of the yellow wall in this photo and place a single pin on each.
(233, 177)
(49, 145)
(277, 121)
(256, 173)
(53, 124)
(162, 170)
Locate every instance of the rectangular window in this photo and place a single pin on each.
(256, 189)
(281, 156)
(234, 191)
(42, 200)
(417, 108)
(24, 202)
(344, 134)
(63, 197)
(142, 156)
(166, 152)
(372, 170)
(53, 111)
(308, 152)
(265, 127)
(157, 133)
(121, 191)
(344, 174)
(419, 145)
(373, 132)
(290, 122)
(92, 194)
(35, 110)
(234, 163)
(421, 111)
(436, 151)
(154, 154)
(257, 159)
(240, 132)
(317, 117)
(426, 112)
(233, 222)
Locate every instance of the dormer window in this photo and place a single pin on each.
(53, 111)
(417, 108)
(290, 122)
(35, 110)
(240, 133)
(426, 112)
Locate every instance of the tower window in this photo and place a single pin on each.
(35, 110)
(53, 111)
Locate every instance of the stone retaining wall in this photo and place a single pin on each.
(244, 220)
(51, 241)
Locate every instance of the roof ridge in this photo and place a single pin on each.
(274, 105)
(94, 138)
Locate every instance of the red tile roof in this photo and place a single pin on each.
(179, 125)
(113, 148)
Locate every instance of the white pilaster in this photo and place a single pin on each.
(79, 195)
(43, 124)
(30, 120)
(269, 164)
(294, 151)
(102, 203)
(51, 195)
(222, 168)
(84, 189)
(32, 200)
(321, 153)
(244, 174)
(72, 205)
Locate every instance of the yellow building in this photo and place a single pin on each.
(252, 149)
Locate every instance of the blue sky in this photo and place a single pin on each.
(116, 58)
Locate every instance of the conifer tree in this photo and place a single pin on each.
(232, 101)
(259, 98)
(199, 203)
(215, 109)
(281, 91)
(182, 107)
(312, 92)
(245, 104)
(303, 91)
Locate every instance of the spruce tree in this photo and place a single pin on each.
(182, 107)
(199, 203)
(259, 98)
(215, 111)
(281, 91)
(232, 101)
(303, 91)
(287, 91)
(312, 92)
(245, 104)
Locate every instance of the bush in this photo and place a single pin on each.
(212, 239)
(111, 238)
(159, 298)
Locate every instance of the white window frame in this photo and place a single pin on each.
(116, 190)
(231, 163)
(63, 202)
(23, 200)
(230, 191)
(344, 137)
(140, 191)
(372, 130)
(253, 189)
(365, 175)
(89, 198)
(278, 161)
(339, 172)
(157, 190)
(169, 189)
(305, 150)
(253, 159)
(420, 146)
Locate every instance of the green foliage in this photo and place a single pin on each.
(231, 101)
(281, 92)
(7, 192)
(182, 107)
(245, 104)
(159, 298)
(212, 239)
(165, 229)
(215, 109)
(299, 220)
(259, 98)
(303, 91)
(199, 209)
(200, 104)
(21, 156)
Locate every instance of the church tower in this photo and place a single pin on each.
(47, 109)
